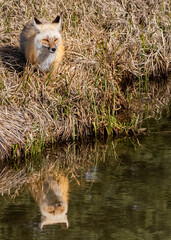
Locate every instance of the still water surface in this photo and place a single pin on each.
(128, 198)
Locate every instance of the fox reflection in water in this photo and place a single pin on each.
(52, 198)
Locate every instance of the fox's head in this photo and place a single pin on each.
(47, 35)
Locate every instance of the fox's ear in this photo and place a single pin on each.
(36, 24)
(58, 22)
(37, 21)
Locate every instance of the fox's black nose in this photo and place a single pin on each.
(53, 49)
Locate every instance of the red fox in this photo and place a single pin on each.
(42, 44)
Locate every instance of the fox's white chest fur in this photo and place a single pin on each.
(45, 59)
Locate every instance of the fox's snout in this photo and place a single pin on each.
(49, 44)
(52, 49)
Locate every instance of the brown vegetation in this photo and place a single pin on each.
(113, 48)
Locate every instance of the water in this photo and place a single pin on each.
(122, 191)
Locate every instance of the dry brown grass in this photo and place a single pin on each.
(12, 181)
(107, 43)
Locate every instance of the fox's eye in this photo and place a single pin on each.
(52, 212)
(56, 40)
(45, 41)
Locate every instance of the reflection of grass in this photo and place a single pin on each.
(109, 46)
(71, 160)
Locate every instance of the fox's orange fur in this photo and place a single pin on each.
(42, 44)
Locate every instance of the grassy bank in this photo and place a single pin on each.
(113, 51)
